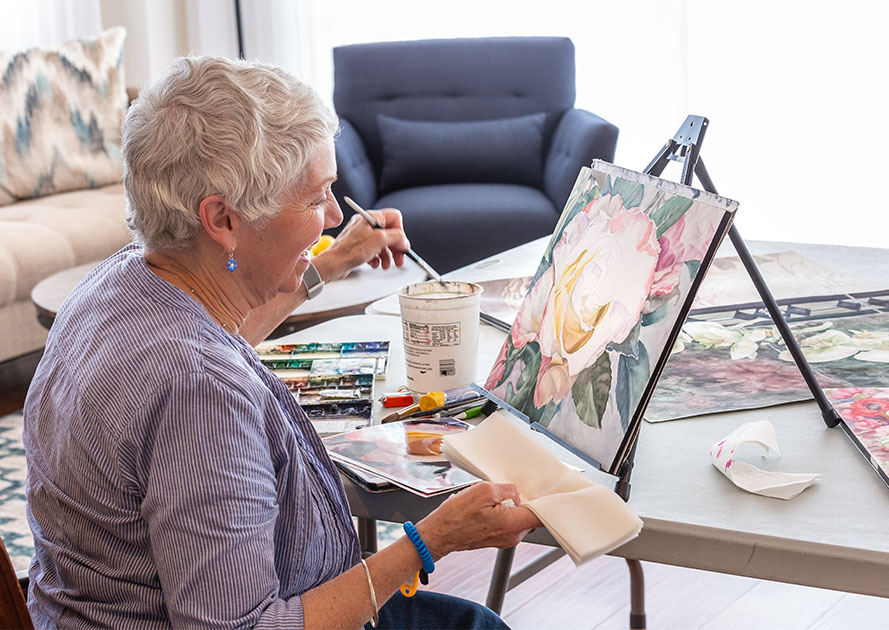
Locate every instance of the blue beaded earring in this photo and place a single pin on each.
(232, 263)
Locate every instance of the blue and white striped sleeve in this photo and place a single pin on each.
(210, 501)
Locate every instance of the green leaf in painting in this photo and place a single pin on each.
(541, 269)
(632, 378)
(631, 193)
(669, 213)
(544, 414)
(656, 315)
(630, 344)
(511, 356)
(591, 389)
(693, 267)
(510, 394)
(522, 397)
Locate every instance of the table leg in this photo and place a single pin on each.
(500, 579)
(367, 535)
(637, 595)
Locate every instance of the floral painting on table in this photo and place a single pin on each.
(605, 306)
(735, 359)
(865, 410)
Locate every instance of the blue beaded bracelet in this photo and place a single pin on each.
(422, 549)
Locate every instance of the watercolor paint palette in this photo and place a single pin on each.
(301, 356)
(332, 382)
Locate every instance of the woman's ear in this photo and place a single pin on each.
(220, 222)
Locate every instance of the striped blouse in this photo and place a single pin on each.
(172, 479)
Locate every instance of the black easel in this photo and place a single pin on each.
(685, 147)
(239, 31)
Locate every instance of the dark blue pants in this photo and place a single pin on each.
(432, 611)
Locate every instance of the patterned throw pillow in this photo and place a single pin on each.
(60, 116)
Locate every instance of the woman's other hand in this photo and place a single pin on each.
(359, 243)
(483, 515)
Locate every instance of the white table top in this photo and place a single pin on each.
(362, 286)
(831, 536)
(868, 264)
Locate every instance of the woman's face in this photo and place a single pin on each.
(274, 257)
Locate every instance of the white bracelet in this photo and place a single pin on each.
(373, 596)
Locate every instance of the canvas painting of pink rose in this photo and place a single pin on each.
(606, 305)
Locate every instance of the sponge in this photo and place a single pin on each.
(323, 243)
(432, 400)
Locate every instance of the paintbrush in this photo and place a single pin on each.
(495, 322)
(432, 273)
(455, 406)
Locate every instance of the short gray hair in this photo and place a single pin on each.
(214, 126)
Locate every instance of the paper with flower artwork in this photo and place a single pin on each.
(865, 411)
(734, 358)
(606, 305)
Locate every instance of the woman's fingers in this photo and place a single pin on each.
(367, 243)
(385, 258)
(360, 242)
(478, 517)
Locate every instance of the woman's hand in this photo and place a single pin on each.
(359, 243)
(483, 515)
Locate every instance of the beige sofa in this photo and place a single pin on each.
(61, 201)
(40, 237)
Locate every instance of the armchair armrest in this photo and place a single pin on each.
(579, 138)
(355, 172)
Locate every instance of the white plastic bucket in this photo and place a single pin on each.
(439, 322)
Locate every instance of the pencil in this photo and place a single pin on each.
(425, 266)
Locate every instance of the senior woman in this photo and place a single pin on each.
(172, 480)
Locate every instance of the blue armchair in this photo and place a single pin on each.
(476, 141)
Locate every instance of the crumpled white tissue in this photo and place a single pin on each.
(777, 485)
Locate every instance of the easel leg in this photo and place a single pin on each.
(637, 595)
(828, 413)
(500, 579)
(367, 535)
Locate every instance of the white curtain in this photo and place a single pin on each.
(283, 33)
(25, 24)
(793, 89)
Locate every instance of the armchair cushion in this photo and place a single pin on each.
(579, 138)
(417, 153)
(417, 120)
(356, 175)
(456, 224)
(60, 116)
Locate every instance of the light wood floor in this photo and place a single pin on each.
(597, 595)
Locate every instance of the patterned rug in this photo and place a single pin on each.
(13, 523)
